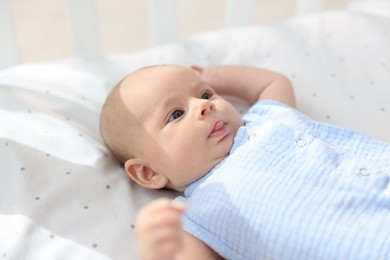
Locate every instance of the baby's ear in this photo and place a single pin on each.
(144, 175)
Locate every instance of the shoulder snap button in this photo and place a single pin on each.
(300, 143)
(364, 172)
(251, 137)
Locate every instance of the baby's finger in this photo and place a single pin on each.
(179, 206)
(164, 234)
(169, 249)
(161, 204)
(154, 208)
(161, 244)
(157, 204)
(170, 218)
(159, 238)
(197, 68)
(159, 214)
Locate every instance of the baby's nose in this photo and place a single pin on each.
(205, 108)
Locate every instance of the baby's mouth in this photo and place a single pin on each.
(220, 129)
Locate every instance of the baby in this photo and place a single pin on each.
(271, 185)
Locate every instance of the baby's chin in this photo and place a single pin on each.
(219, 159)
(202, 172)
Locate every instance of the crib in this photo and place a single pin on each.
(83, 18)
(64, 196)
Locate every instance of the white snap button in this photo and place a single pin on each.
(251, 137)
(364, 172)
(300, 143)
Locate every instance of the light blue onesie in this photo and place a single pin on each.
(294, 188)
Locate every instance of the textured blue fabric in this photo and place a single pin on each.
(294, 188)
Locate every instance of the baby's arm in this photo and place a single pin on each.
(160, 234)
(249, 83)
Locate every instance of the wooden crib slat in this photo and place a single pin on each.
(84, 27)
(238, 12)
(162, 21)
(9, 53)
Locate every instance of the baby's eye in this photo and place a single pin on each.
(175, 115)
(206, 95)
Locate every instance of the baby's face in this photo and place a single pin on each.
(186, 127)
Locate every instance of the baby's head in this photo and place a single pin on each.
(167, 126)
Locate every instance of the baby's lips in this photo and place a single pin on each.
(220, 128)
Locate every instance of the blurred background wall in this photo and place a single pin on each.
(42, 26)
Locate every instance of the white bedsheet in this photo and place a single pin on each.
(63, 196)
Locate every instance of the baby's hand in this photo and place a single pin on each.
(197, 68)
(159, 229)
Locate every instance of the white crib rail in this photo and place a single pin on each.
(163, 23)
(8, 46)
(238, 12)
(307, 6)
(162, 13)
(83, 22)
